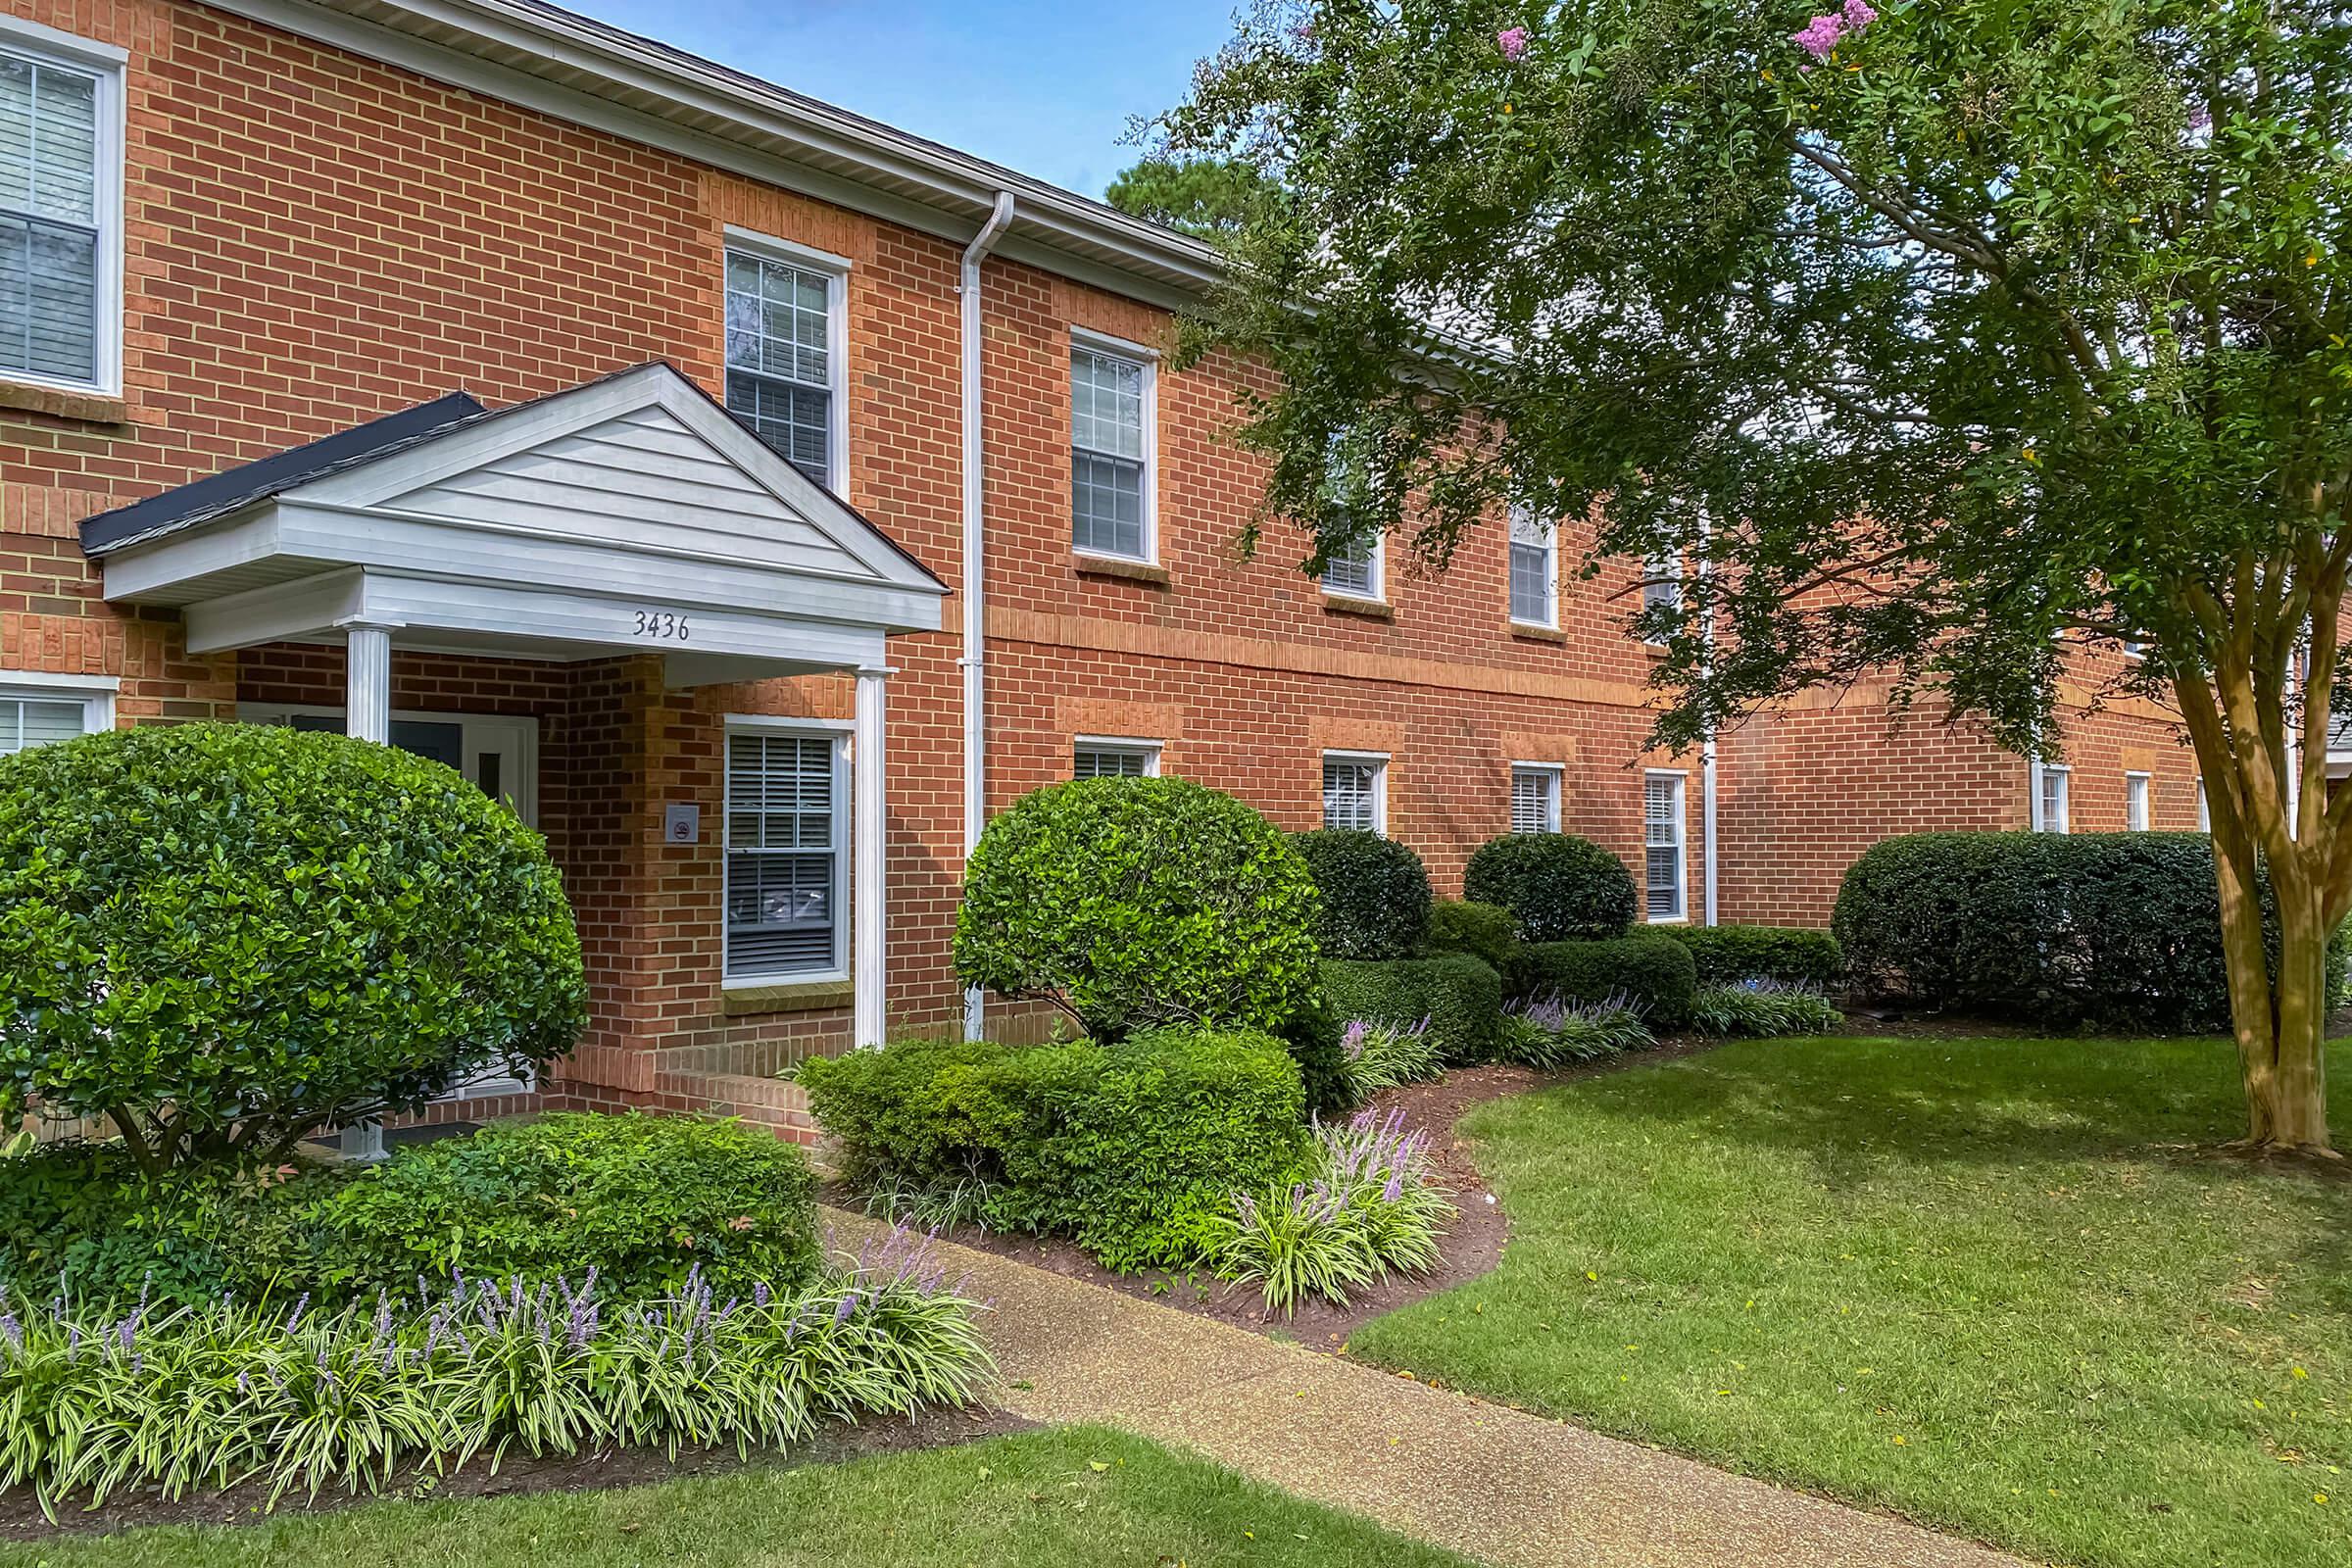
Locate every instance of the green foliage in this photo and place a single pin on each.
(1648, 969)
(212, 1393)
(1763, 1008)
(1458, 996)
(1388, 1056)
(1485, 931)
(2116, 930)
(1369, 1203)
(227, 936)
(643, 1199)
(1548, 1033)
(1135, 901)
(1316, 1039)
(1376, 900)
(1557, 886)
(1125, 1149)
(1209, 198)
(1726, 955)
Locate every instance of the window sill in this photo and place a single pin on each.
(92, 407)
(1537, 632)
(1087, 566)
(790, 996)
(1350, 604)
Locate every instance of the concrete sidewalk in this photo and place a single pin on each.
(1496, 1483)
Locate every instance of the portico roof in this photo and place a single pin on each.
(632, 514)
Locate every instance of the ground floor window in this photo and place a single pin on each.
(2136, 802)
(787, 800)
(37, 710)
(1662, 841)
(1113, 756)
(1355, 791)
(2050, 799)
(1535, 798)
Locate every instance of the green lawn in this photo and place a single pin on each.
(1067, 1498)
(1983, 1283)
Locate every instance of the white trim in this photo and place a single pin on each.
(2204, 810)
(1682, 846)
(1380, 577)
(1379, 764)
(1127, 744)
(839, 733)
(108, 65)
(1551, 549)
(869, 850)
(95, 693)
(1558, 774)
(1148, 363)
(835, 270)
(2036, 773)
(2139, 800)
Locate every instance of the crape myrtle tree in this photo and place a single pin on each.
(1941, 342)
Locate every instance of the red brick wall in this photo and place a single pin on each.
(315, 239)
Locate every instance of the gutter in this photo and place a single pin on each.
(1706, 767)
(975, 558)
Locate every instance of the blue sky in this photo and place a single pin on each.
(1042, 88)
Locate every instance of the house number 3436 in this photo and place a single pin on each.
(662, 626)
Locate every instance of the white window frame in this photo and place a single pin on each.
(1124, 744)
(1378, 761)
(1551, 554)
(835, 270)
(1380, 577)
(1555, 773)
(2139, 803)
(2037, 815)
(95, 693)
(107, 63)
(1148, 361)
(2204, 811)
(1682, 846)
(838, 730)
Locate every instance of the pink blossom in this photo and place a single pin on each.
(1512, 41)
(1859, 15)
(1821, 35)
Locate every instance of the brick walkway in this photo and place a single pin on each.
(1496, 1483)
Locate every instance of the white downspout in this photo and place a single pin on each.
(975, 540)
(1706, 769)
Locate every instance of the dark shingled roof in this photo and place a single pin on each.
(203, 500)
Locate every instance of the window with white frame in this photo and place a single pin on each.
(2050, 799)
(35, 710)
(1110, 453)
(1356, 568)
(782, 357)
(2136, 802)
(1662, 581)
(60, 223)
(787, 811)
(1105, 757)
(2204, 816)
(1535, 798)
(1535, 570)
(1355, 791)
(1662, 844)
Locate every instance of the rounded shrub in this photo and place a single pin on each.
(1482, 930)
(1135, 901)
(1376, 896)
(227, 936)
(1557, 886)
(1649, 968)
(1459, 994)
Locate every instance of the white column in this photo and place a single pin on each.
(869, 904)
(367, 681)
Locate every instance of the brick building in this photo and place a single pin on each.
(368, 364)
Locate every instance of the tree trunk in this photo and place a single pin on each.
(2280, 1018)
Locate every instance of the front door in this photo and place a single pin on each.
(500, 754)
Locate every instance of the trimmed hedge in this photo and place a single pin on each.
(1558, 887)
(1727, 955)
(1132, 1149)
(1460, 995)
(2112, 930)
(1648, 967)
(1482, 930)
(1137, 902)
(1375, 889)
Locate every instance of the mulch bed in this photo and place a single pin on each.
(1474, 1248)
(20, 1517)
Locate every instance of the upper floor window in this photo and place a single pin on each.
(782, 357)
(1110, 453)
(35, 710)
(1356, 569)
(1535, 570)
(1662, 580)
(60, 239)
(1535, 798)
(1096, 757)
(1355, 791)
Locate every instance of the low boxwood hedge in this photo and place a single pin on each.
(1375, 893)
(1130, 1150)
(2118, 931)
(1482, 930)
(1727, 955)
(1461, 997)
(1650, 968)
